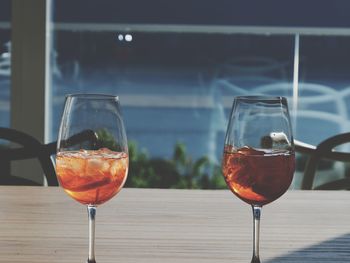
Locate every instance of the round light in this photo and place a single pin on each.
(128, 37)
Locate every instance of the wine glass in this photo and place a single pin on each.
(258, 162)
(92, 154)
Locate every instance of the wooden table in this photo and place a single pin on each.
(39, 224)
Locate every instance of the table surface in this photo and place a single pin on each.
(42, 224)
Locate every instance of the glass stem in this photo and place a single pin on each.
(91, 213)
(256, 233)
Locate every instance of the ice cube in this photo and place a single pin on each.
(77, 165)
(96, 166)
(73, 162)
(118, 167)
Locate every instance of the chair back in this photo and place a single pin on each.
(29, 148)
(324, 151)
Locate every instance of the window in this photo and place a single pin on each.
(176, 72)
(324, 94)
(176, 88)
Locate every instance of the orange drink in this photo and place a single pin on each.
(92, 177)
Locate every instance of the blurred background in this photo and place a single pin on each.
(176, 66)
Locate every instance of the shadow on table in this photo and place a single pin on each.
(333, 250)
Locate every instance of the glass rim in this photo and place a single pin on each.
(260, 98)
(92, 95)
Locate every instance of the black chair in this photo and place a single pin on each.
(28, 148)
(31, 148)
(321, 154)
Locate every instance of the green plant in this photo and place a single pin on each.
(179, 172)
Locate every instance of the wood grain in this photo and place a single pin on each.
(39, 224)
